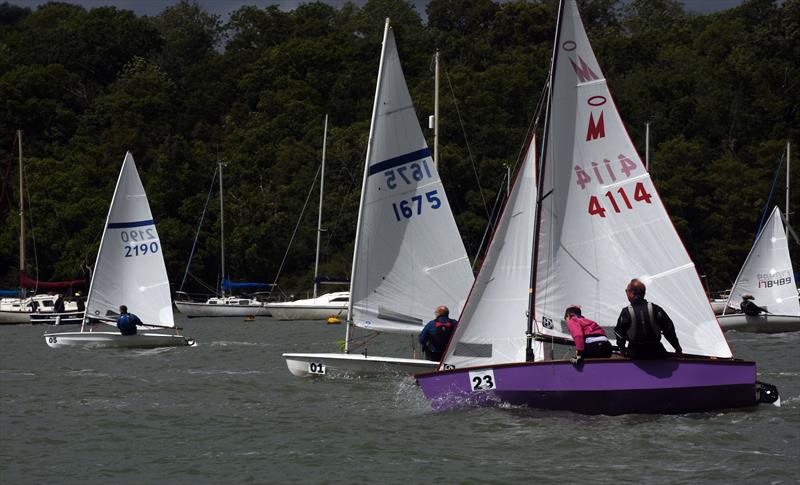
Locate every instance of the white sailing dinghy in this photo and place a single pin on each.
(599, 223)
(408, 257)
(768, 276)
(129, 271)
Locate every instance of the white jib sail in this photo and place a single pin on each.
(603, 222)
(494, 321)
(767, 272)
(408, 257)
(130, 264)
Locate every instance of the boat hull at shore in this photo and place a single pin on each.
(204, 309)
(759, 323)
(320, 308)
(599, 386)
(354, 365)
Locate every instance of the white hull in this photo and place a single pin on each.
(759, 324)
(12, 317)
(354, 365)
(718, 306)
(199, 309)
(68, 318)
(115, 340)
(307, 312)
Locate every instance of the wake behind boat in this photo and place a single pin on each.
(129, 271)
(598, 223)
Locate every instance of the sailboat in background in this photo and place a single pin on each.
(323, 307)
(25, 308)
(408, 257)
(224, 305)
(768, 276)
(599, 223)
(129, 271)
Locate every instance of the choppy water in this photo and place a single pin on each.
(229, 411)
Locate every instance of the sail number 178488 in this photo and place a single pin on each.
(618, 199)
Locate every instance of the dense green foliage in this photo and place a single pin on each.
(183, 89)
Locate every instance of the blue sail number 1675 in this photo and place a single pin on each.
(405, 208)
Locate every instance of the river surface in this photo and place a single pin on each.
(228, 411)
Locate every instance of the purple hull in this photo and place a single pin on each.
(598, 386)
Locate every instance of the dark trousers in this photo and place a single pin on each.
(434, 356)
(600, 349)
(646, 350)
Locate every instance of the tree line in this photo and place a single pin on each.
(184, 89)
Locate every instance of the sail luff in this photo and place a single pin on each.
(360, 221)
(90, 294)
(540, 194)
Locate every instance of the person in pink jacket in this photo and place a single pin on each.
(590, 339)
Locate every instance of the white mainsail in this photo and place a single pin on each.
(602, 221)
(408, 257)
(130, 266)
(492, 325)
(767, 272)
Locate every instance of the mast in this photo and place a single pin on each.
(540, 196)
(21, 212)
(436, 112)
(221, 229)
(321, 193)
(378, 87)
(788, 163)
(647, 146)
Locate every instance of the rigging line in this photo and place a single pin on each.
(466, 141)
(199, 225)
(296, 226)
(769, 198)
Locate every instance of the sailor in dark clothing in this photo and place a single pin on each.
(749, 307)
(58, 306)
(437, 333)
(641, 324)
(127, 322)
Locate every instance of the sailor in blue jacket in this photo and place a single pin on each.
(126, 322)
(437, 333)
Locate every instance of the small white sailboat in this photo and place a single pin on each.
(408, 257)
(768, 276)
(129, 271)
(598, 223)
(223, 305)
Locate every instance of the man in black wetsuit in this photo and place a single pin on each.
(641, 324)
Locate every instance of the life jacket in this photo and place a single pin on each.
(646, 331)
(441, 335)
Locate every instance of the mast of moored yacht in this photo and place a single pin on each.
(540, 195)
(321, 194)
(221, 230)
(21, 214)
(364, 186)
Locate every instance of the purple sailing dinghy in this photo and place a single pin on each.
(598, 224)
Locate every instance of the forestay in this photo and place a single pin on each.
(130, 265)
(767, 273)
(602, 221)
(492, 325)
(409, 257)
